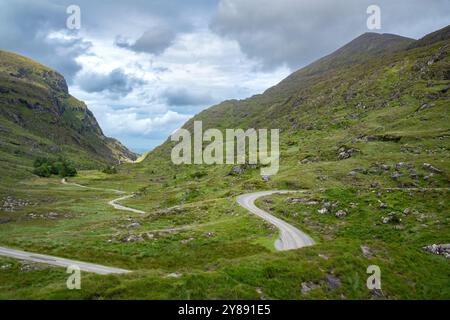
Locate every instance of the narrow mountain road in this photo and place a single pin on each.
(290, 237)
(117, 206)
(60, 262)
(114, 203)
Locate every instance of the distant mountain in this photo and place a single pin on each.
(38, 117)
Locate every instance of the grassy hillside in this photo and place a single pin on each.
(39, 118)
(364, 130)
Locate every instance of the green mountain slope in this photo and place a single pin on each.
(38, 117)
(378, 84)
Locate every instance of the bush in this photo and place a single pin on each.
(44, 171)
(110, 170)
(45, 167)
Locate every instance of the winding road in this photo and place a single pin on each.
(113, 203)
(60, 262)
(290, 237)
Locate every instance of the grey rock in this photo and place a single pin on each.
(133, 225)
(439, 249)
(174, 275)
(134, 238)
(396, 175)
(332, 282)
(308, 286)
(429, 167)
(341, 214)
(366, 252)
(236, 171)
(322, 211)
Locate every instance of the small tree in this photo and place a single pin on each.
(44, 171)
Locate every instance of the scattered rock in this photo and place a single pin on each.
(396, 175)
(407, 211)
(185, 241)
(300, 200)
(324, 257)
(210, 234)
(10, 204)
(344, 153)
(392, 217)
(341, 214)
(322, 211)
(439, 249)
(52, 215)
(383, 205)
(424, 107)
(308, 286)
(134, 238)
(236, 171)
(366, 252)
(30, 266)
(265, 178)
(48, 216)
(332, 282)
(402, 165)
(173, 210)
(174, 275)
(429, 167)
(377, 294)
(133, 226)
(6, 266)
(422, 217)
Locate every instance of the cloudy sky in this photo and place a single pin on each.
(145, 66)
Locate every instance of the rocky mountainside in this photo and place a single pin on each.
(38, 117)
(378, 84)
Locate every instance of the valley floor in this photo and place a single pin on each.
(208, 247)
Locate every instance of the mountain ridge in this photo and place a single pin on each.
(38, 117)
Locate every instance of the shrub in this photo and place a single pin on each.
(45, 167)
(44, 171)
(110, 170)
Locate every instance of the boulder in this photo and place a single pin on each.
(430, 168)
(439, 249)
(341, 214)
(308, 286)
(332, 282)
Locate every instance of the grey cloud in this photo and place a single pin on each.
(183, 97)
(24, 25)
(154, 40)
(24, 29)
(116, 83)
(296, 32)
